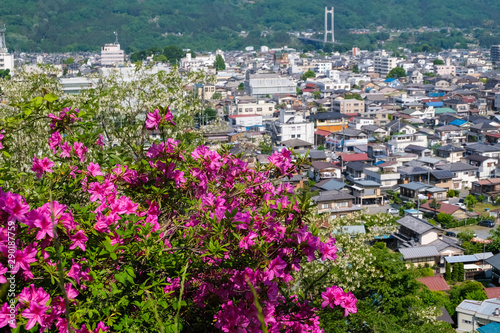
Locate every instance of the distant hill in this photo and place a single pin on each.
(76, 25)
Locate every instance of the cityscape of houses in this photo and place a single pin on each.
(367, 135)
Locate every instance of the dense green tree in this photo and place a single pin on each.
(173, 53)
(5, 73)
(455, 273)
(241, 86)
(470, 201)
(308, 74)
(438, 62)
(219, 63)
(217, 96)
(355, 69)
(396, 73)
(447, 273)
(69, 61)
(461, 272)
(435, 204)
(473, 290)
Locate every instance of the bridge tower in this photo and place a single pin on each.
(331, 30)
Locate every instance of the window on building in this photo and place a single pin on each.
(259, 109)
(342, 204)
(293, 136)
(293, 128)
(298, 128)
(298, 135)
(467, 321)
(325, 206)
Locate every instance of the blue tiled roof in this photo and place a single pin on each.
(434, 104)
(490, 328)
(389, 80)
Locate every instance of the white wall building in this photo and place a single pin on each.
(112, 55)
(473, 314)
(292, 125)
(243, 122)
(260, 107)
(6, 59)
(383, 65)
(261, 84)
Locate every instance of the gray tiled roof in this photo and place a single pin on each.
(414, 186)
(419, 252)
(332, 196)
(456, 167)
(444, 242)
(417, 225)
(494, 261)
(442, 174)
(486, 307)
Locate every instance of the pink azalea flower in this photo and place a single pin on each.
(349, 304)
(35, 314)
(80, 150)
(275, 268)
(100, 141)
(169, 116)
(101, 327)
(78, 240)
(5, 318)
(44, 222)
(1, 146)
(14, 205)
(65, 150)
(153, 120)
(54, 141)
(24, 258)
(247, 241)
(94, 169)
(70, 291)
(333, 296)
(41, 165)
(3, 270)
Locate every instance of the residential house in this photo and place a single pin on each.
(450, 134)
(464, 174)
(245, 122)
(330, 121)
(480, 132)
(416, 191)
(420, 241)
(367, 192)
(483, 149)
(291, 125)
(450, 153)
(387, 179)
(486, 165)
(495, 267)
(418, 150)
(324, 170)
(355, 170)
(455, 211)
(399, 142)
(474, 315)
(442, 179)
(414, 174)
(489, 188)
(458, 105)
(336, 203)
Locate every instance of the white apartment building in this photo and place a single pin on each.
(112, 55)
(329, 84)
(399, 142)
(261, 84)
(446, 69)
(292, 125)
(323, 67)
(75, 85)
(260, 107)
(383, 65)
(6, 59)
(243, 122)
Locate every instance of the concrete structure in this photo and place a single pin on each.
(383, 65)
(111, 54)
(75, 85)
(495, 53)
(291, 125)
(244, 122)
(332, 29)
(6, 59)
(446, 69)
(261, 84)
(260, 107)
(348, 106)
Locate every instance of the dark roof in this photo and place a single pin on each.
(327, 115)
(296, 143)
(356, 165)
(332, 195)
(482, 148)
(317, 154)
(442, 174)
(477, 158)
(450, 148)
(444, 242)
(413, 170)
(447, 128)
(494, 261)
(417, 225)
(456, 167)
(319, 165)
(445, 317)
(484, 126)
(415, 147)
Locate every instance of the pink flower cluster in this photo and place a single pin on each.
(336, 296)
(66, 116)
(154, 119)
(1, 138)
(283, 162)
(42, 165)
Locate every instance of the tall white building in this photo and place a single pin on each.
(292, 125)
(6, 59)
(111, 54)
(383, 65)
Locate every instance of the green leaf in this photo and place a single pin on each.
(6, 154)
(113, 256)
(50, 97)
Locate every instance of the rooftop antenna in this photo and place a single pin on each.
(116, 37)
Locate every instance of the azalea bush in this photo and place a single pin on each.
(165, 237)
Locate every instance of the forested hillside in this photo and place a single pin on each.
(64, 25)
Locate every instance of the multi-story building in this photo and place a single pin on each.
(472, 315)
(260, 107)
(6, 59)
(112, 55)
(348, 106)
(383, 65)
(291, 125)
(262, 84)
(399, 142)
(495, 53)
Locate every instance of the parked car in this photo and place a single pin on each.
(450, 234)
(392, 211)
(487, 223)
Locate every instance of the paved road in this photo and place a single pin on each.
(481, 232)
